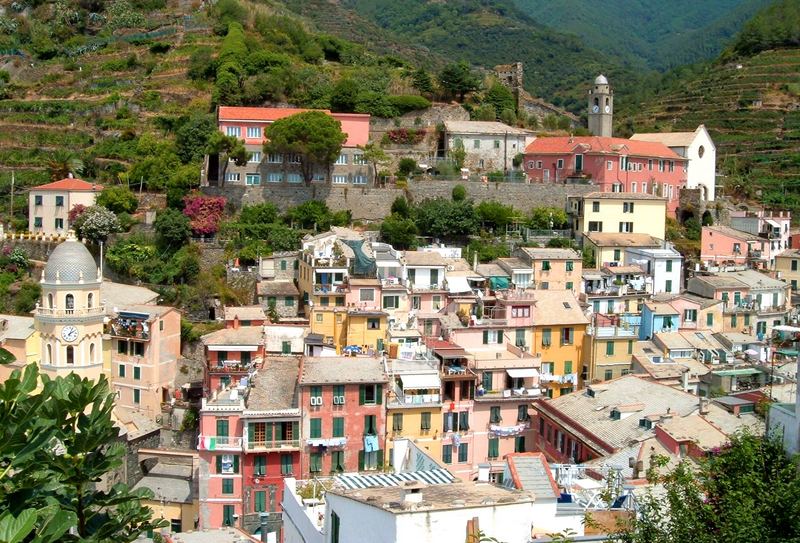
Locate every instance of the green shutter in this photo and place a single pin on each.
(219, 464)
(447, 454)
(709, 319)
(609, 348)
(360, 460)
(251, 432)
(236, 463)
(494, 447)
(338, 427)
(380, 459)
(268, 432)
(379, 394)
(295, 430)
(316, 428)
(486, 337)
(361, 394)
(630, 346)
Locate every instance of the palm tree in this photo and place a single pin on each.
(63, 163)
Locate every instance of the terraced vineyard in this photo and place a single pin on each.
(752, 109)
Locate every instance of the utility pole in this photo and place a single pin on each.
(11, 215)
(505, 154)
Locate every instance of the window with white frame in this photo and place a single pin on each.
(626, 227)
(531, 164)
(294, 159)
(661, 165)
(609, 165)
(360, 180)
(233, 131)
(253, 179)
(560, 164)
(339, 179)
(294, 178)
(633, 187)
(623, 163)
(318, 177)
(342, 160)
(522, 280)
(644, 187)
(274, 177)
(650, 164)
(359, 160)
(231, 177)
(255, 157)
(538, 164)
(492, 337)
(476, 144)
(253, 131)
(275, 158)
(671, 166)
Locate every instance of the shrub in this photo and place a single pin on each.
(406, 136)
(204, 212)
(409, 102)
(406, 166)
(119, 199)
(459, 193)
(159, 48)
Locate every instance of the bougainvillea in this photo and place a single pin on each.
(76, 211)
(406, 136)
(204, 212)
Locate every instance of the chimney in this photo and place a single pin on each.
(685, 380)
(235, 322)
(703, 406)
(412, 492)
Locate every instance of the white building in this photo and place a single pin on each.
(49, 205)
(489, 146)
(663, 266)
(785, 419)
(698, 147)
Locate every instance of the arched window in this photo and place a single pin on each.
(91, 351)
(70, 354)
(596, 101)
(50, 354)
(50, 300)
(70, 303)
(90, 300)
(607, 101)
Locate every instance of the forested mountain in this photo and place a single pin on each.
(644, 34)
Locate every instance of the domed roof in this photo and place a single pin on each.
(601, 80)
(68, 260)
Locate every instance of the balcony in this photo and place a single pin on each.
(274, 445)
(614, 331)
(509, 394)
(232, 367)
(219, 443)
(129, 328)
(455, 371)
(322, 289)
(332, 261)
(51, 312)
(400, 398)
(568, 379)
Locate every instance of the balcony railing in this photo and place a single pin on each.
(416, 399)
(569, 378)
(510, 393)
(231, 366)
(129, 328)
(219, 443)
(52, 312)
(329, 288)
(456, 371)
(274, 445)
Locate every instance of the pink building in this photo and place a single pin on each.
(250, 123)
(249, 442)
(720, 245)
(613, 164)
(231, 354)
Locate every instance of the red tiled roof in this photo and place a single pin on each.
(599, 145)
(70, 184)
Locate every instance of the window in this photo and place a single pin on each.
(260, 502)
(690, 315)
(227, 486)
(260, 461)
(233, 131)
(137, 373)
(494, 414)
(253, 131)
(227, 515)
(671, 169)
(59, 201)
(494, 448)
(370, 428)
(137, 394)
(476, 144)
(316, 428)
(579, 162)
(447, 454)
(531, 165)
(360, 180)
(627, 207)
(668, 285)
(294, 178)
(397, 422)
(255, 157)
(436, 301)
(595, 226)
(644, 186)
(623, 163)
(319, 317)
(560, 164)
(373, 324)
(338, 426)
(122, 370)
(463, 453)
(519, 337)
(370, 394)
(609, 348)
(315, 462)
(617, 255)
(519, 444)
(391, 302)
(661, 165)
(669, 265)
(522, 413)
(294, 159)
(609, 165)
(570, 265)
(568, 366)
(37, 200)
(608, 375)
(337, 461)
(232, 177)
(492, 337)
(275, 158)
(138, 348)
(626, 227)
(274, 177)
(567, 336)
(342, 160)
(633, 187)
(546, 337)
(359, 160)
(425, 420)
(59, 224)
(497, 144)
(37, 222)
(569, 285)
(709, 319)
(339, 179)
(544, 285)
(545, 265)
(539, 165)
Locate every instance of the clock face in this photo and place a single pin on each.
(595, 108)
(69, 333)
(608, 109)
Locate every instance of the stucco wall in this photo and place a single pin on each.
(370, 203)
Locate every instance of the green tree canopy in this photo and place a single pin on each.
(118, 198)
(399, 231)
(446, 219)
(458, 79)
(494, 214)
(259, 213)
(172, 228)
(546, 218)
(499, 97)
(56, 443)
(314, 136)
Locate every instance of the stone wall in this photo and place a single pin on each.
(133, 470)
(374, 203)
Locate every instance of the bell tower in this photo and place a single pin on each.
(601, 108)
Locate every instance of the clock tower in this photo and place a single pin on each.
(601, 107)
(69, 316)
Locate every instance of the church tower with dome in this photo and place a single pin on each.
(69, 316)
(601, 108)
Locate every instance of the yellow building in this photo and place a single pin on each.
(787, 264)
(625, 212)
(173, 500)
(341, 327)
(608, 353)
(553, 269)
(414, 405)
(608, 249)
(558, 336)
(19, 337)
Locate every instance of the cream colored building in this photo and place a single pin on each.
(49, 205)
(553, 269)
(69, 317)
(609, 248)
(787, 264)
(19, 337)
(619, 212)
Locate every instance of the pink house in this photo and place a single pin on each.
(613, 164)
(250, 124)
(724, 245)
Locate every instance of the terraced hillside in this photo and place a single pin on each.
(752, 108)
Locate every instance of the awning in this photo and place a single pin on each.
(458, 284)
(519, 373)
(431, 477)
(421, 381)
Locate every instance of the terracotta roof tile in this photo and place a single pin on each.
(598, 145)
(71, 184)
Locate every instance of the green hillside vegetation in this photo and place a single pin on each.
(558, 67)
(750, 104)
(646, 36)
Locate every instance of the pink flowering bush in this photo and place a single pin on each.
(204, 212)
(406, 136)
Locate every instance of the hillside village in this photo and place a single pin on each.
(392, 305)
